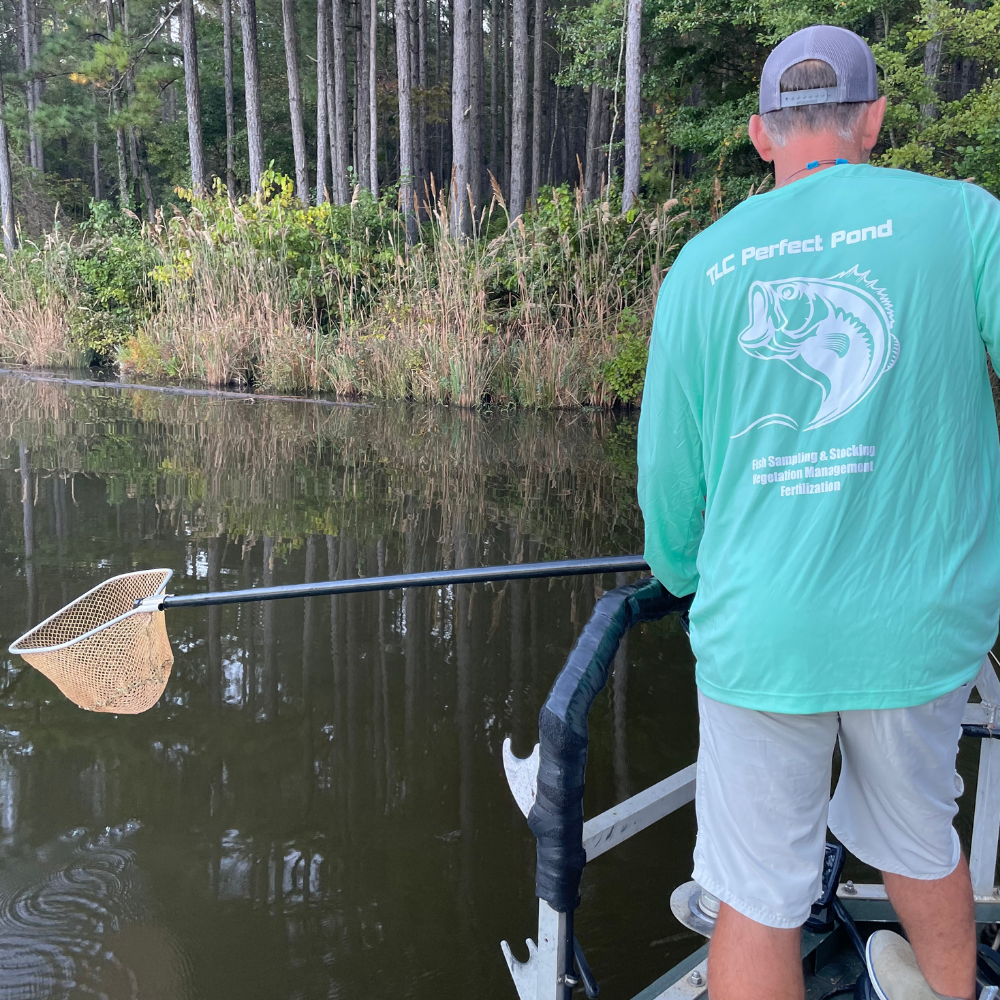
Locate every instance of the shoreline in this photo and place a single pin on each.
(46, 375)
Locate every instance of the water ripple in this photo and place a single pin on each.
(62, 910)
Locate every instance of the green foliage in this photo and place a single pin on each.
(115, 294)
(334, 259)
(706, 58)
(626, 371)
(549, 311)
(562, 235)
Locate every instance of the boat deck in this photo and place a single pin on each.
(829, 960)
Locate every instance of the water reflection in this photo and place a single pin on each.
(318, 796)
(66, 910)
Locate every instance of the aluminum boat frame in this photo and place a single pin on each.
(829, 960)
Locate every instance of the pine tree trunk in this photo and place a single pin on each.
(607, 140)
(251, 79)
(519, 113)
(141, 189)
(331, 105)
(373, 97)
(576, 153)
(423, 147)
(133, 160)
(29, 83)
(507, 99)
(227, 58)
(405, 119)
(36, 39)
(477, 101)
(460, 111)
(633, 83)
(352, 104)
(7, 224)
(147, 186)
(413, 29)
(553, 131)
(439, 52)
(124, 195)
(362, 105)
(494, 87)
(536, 103)
(413, 47)
(192, 94)
(97, 165)
(322, 121)
(594, 151)
(340, 181)
(932, 72)
(124, 199)
(295, 100)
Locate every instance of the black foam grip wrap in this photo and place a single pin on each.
(556, 818)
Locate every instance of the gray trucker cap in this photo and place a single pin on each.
(846, 52)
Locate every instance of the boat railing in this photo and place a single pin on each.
(548, 788)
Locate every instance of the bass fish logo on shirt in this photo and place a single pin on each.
(835, 332)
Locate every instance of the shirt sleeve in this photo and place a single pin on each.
(983, 214)
(671, 471)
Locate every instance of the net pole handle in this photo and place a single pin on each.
(436, 578)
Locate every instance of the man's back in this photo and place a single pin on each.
(817, 385)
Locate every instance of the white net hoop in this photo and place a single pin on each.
(100, 651)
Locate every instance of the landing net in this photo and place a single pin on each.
(102, 653)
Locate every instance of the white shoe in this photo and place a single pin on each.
(893, 969)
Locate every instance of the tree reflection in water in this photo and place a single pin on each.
(319, 798)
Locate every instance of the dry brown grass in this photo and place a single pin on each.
(532, 317)
(34, 324)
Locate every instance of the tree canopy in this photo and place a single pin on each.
(100, 83)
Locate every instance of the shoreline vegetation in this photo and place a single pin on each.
(265, 293)
(302, 197)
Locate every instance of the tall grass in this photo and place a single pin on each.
(34, 309)
(331, 299)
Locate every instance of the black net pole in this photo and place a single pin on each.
(438, 578)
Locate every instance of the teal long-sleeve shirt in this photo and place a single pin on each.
(818, 452)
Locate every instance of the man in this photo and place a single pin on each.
(818, 460)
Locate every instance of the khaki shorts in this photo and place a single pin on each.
(763, 799)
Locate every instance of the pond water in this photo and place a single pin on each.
(316, 807)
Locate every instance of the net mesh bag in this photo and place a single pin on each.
(102, 653)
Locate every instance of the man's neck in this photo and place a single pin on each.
(797, 157)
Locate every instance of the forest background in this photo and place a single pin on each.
(463, 201)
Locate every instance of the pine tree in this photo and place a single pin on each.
(251, 79)
(295, 100)
(192, 94)
(519, 110)
(633, 74)
(403, 69)
(7, 224)
(536, 104)
(227, 72)
(322, 119)
(461, 151)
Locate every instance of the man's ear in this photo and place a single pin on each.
(874, 114)
(760, 139)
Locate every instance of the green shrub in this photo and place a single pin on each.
(551, 311)
(626, 371)
(113, 264)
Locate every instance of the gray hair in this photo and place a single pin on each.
(811, 74)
